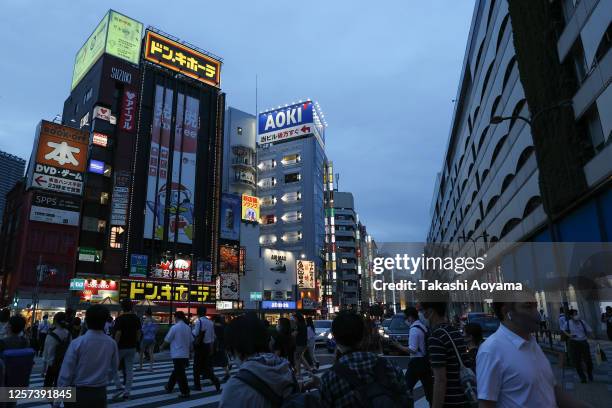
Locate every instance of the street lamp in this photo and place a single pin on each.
(496, 120)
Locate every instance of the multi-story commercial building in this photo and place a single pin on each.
(291, 159)
(346, 231)
(529, 155)
(12, 169)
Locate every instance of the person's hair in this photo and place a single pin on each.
(247, 335)
(348, 329)
(16, 323)
(474, 330)
(562, 310)
(5, 315)
(59, 319)
(148, 312)
(411, 312)
(573, 312)
(285, 326)
(497, 309)
(202, 311)
(126, 305)
(45, 316)
(179, 315)
(310, 322)
(438, 307)
(266, 322)
(608, 307)
(299, 317)
(95, 317)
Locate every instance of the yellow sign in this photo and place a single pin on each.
(250, 208)
(124, 37)
(116, 35)
(162, 292)
(175, 56)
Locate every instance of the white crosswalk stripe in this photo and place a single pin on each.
(148, 389)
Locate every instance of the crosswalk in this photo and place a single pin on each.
(148, 390)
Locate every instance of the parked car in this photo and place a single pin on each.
(396, 331)
(322, 330)
(383, 325)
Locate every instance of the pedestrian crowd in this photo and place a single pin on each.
(277, 365)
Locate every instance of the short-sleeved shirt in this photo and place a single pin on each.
(149, 329)
(179, 338)
(514, 372)
(207, 326)
(578, 329)
(442, 354)
(416, 339)
(129, 325)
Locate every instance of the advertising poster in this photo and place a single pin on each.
(230, 221)
(181, 268)
(164, 292)
(158, 166)
(90, 52)
(55, 210)
(127, 118)
(204, 271)
(286, 123)
(138, 265)
(229, 259)
(120, 198)
(124, 37)
(279, 271)
(250, 208)
(229, 286)
(96, 290)
(305, 274)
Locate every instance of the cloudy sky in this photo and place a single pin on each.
(385, 74)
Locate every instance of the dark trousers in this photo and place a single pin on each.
(41, 342)
(51, 377)
(89, 397)
(419, 370)
(202, 365)
(178, 375)
(580, 352)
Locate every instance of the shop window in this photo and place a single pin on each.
(87, 95)
(104, 198)
(291, 159)
(268, 219)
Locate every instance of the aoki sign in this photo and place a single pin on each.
(286, 123)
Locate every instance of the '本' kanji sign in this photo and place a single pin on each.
(175, 56)
(61, 159)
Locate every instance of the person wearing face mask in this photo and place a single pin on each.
(247, 340)
(419, 368)
(511, 369)
(578, 331)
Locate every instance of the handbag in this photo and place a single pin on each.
(466, 376)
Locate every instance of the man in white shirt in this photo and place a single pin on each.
(511, 369)
(562, 319)
(204, 339)
(179, 339)
(418, 366)
(43, 330)
(578, 332)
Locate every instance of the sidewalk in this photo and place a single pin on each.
(597, 393)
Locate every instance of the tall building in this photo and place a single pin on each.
(529, 157)
(346, 231)
(290, 164)
(12, 169)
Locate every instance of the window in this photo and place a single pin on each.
(592, 123)
(483, 136)
(292, 197)
(533, 203)
(494, 106)
(509, 226)
(486, 79)
(89, 224)
(491, 204)
(268, 219)
(76, 108)
(267, 201)
(485, 173)
(103, 198)
(502, 30)
(267, 164)
(604, 45)
(239, 130)
(101, 225)
(506, 183)
(517, 111)
(87, 95)
(291, 159)
(292, 178)
(268, 182)
(478, 62)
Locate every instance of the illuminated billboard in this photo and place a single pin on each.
(116, 35)
(230, 223)
(177, 57)
(60, 159)
(250, 208)
(305, 274)
(165, 292)
(282, 124)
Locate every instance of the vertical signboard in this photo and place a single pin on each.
(127, 118)
(120, 199)
(305, 274)
(250, 208)
(138, 265)
(230, 221)
(229, 286)
(279, 272)
(60, 159)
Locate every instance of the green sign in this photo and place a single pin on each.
(256, 296)
(89, 254)
(77, 284)
(116, 35)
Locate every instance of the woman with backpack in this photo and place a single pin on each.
(56, 344)
(147, 344)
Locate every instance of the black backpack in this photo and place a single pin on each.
(60, 350)
(377, 394)
(295, 400)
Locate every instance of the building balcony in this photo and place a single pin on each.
(242, 150)
(246, 181)
(243, 163)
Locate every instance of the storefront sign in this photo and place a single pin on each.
(278, 304)
(138, 265)
(253, 296)
(77, 284)
(165, 269)
(120, 199)
(54, 209)
(250, 208)
(305, 274)
(162, 292)
(89, 254)
(227, 305)
(228, 286)
(99, 139)
(96, 290)
(127, 119)
(229, 259)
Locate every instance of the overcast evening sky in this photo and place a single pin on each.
(385, 74)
